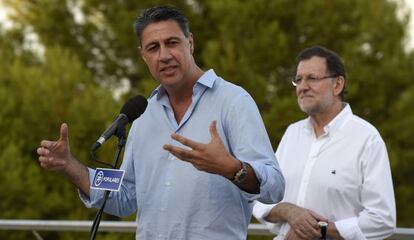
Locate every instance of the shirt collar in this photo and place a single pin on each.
(336, 123)
(340, 119)
(207, 80)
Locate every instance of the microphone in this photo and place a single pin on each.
(131, 110)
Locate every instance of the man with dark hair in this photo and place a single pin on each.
(338, 178)
(333, 63)
(197, 157)
(158, 14)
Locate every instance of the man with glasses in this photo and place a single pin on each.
(338, 178)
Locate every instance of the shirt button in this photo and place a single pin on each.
(162, 209)
(167, 183)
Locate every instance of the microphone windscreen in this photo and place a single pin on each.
(134, 107)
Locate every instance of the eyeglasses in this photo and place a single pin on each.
(310, 79)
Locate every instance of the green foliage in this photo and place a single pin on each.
(36, 98)
(254, 44)
(251, 43)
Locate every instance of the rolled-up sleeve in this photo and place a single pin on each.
(96, 196)
(122, 202)
(250, 143)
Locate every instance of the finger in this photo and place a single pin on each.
(313, 233)
(42, 151)
(288, 235)
(318, 217)
(180, 153)
(51, 161)
(301, 233)
(312, 227)
(47, 144)
(295, 232)
(43, 159)
(44, 165)
(213, 130)
(308, 230)
(48, 165)
(64, 132)
(187, 142)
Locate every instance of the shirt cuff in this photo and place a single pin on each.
(349, 230)
(261, 211)
(251, 196)
(94, 194)
(271, 183)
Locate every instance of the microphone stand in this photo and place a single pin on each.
(121, 143)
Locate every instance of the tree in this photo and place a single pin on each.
(90, 46)
(255, 42)
(99, 33)
(37, 95)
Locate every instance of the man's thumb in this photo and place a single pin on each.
(64, 132)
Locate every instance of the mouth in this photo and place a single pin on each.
(168, 69)
(305, 96)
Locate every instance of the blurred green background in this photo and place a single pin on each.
(76, 61)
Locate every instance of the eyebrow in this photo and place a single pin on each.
(166, 40)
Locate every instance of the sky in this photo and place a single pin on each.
(409, 3)
(3, 17)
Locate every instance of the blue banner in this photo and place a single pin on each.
(108, 179)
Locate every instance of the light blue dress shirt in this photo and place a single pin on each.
(172, 198)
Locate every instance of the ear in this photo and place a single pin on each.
(191, 42)
(142, 54)
(339, 85)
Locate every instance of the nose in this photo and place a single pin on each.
(164, 54)
(302, 86)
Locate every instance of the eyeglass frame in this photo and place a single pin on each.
(316, 79)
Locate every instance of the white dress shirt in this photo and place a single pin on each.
(344, 175)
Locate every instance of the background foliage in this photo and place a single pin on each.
(88, 51)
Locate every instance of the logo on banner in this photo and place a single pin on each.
(108, 179)
(99, 178)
